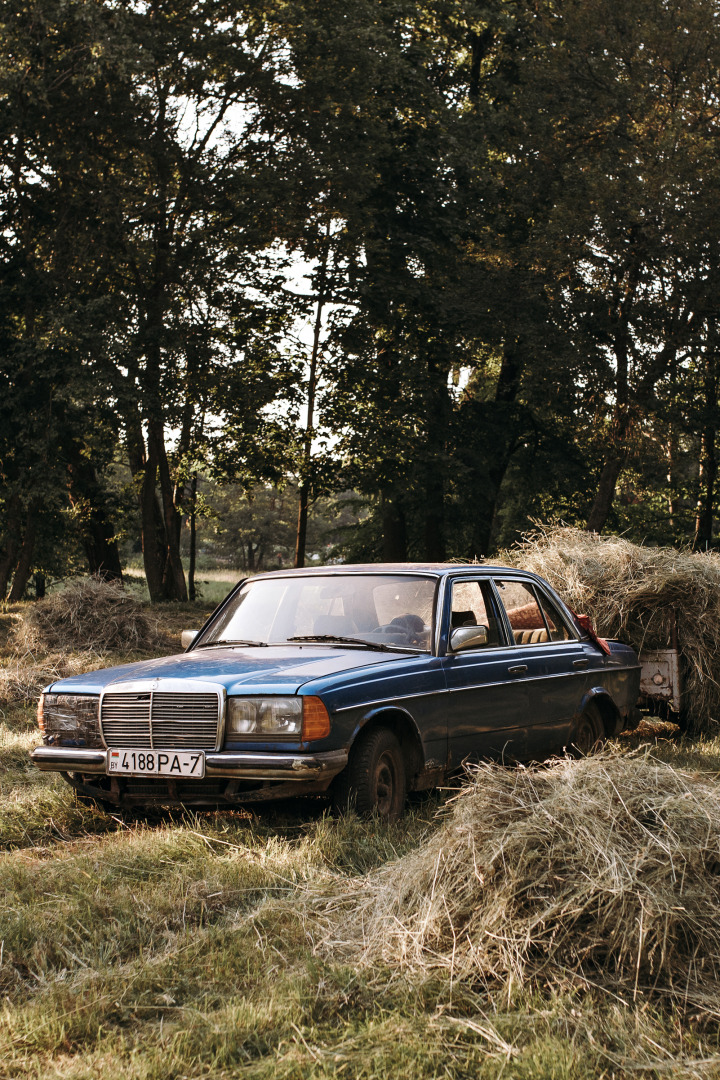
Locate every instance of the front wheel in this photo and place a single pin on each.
(374, 780)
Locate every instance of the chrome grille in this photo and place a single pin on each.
(161, 720)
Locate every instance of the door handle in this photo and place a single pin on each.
(581, 663)
(519, 669)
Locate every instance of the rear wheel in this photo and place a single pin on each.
(588, 733)
(374, 780)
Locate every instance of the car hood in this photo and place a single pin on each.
(279, 669)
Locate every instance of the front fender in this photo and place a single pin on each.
(402, 723)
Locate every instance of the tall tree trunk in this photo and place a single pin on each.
(174, 577)
(173, 585)
(144, 471)
(306, 477)
(301, 533)
(605, 495)
(618, 443)
(503, 420)
(394, 529)
(153, 540)
(193, 537)
(23, 568)
(708, 456)
(13, 540)
(86, 495)
(434, 525)
(438, 414)
(706, 501)
(671, 458)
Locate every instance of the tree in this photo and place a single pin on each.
(139, 122)
(631, 119)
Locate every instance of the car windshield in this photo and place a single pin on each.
(393, 610)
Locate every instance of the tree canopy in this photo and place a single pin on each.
(502, 219)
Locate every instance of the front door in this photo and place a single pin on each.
(486, 718)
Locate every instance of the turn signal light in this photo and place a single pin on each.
(41, 713)
(316, 719)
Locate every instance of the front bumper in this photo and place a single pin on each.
(231, 764)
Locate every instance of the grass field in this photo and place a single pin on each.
(183, 946)
(211, 586)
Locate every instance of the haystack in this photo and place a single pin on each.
(89, 614)
(599, 871)
(648, 597)
(23, 675)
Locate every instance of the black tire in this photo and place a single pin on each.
(588, 733)
(374, 780)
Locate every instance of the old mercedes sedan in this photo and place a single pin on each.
(365, 682)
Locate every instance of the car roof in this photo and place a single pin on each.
(436, 569)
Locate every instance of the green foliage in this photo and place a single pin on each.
(254, 530)
(506, 214)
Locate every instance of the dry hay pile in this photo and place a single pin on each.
(24, 675)
(605, 870)
(89, 614)
(643, 595)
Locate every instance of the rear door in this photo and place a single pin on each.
(550, 664)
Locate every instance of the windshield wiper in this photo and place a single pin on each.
(223, 642)
(380, 646)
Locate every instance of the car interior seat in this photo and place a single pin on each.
(530, 637)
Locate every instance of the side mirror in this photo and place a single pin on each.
(187, 637)
(468, 637)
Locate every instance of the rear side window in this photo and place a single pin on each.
(534, 620)
(555, 623)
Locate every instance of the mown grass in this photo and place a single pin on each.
(178, 946)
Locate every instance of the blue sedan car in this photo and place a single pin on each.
(362, 681)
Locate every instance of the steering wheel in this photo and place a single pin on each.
(409, 626)
(388, 628)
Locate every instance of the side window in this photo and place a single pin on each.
(528, 623)
(555, 622)
(472, 606)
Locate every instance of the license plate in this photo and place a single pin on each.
(157, 763)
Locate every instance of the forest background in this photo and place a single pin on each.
(374, 280)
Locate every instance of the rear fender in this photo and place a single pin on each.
(611, 717)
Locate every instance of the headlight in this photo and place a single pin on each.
(302, 718)
(69, 717)
(264, 716)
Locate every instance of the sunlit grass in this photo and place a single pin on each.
(211, 586)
